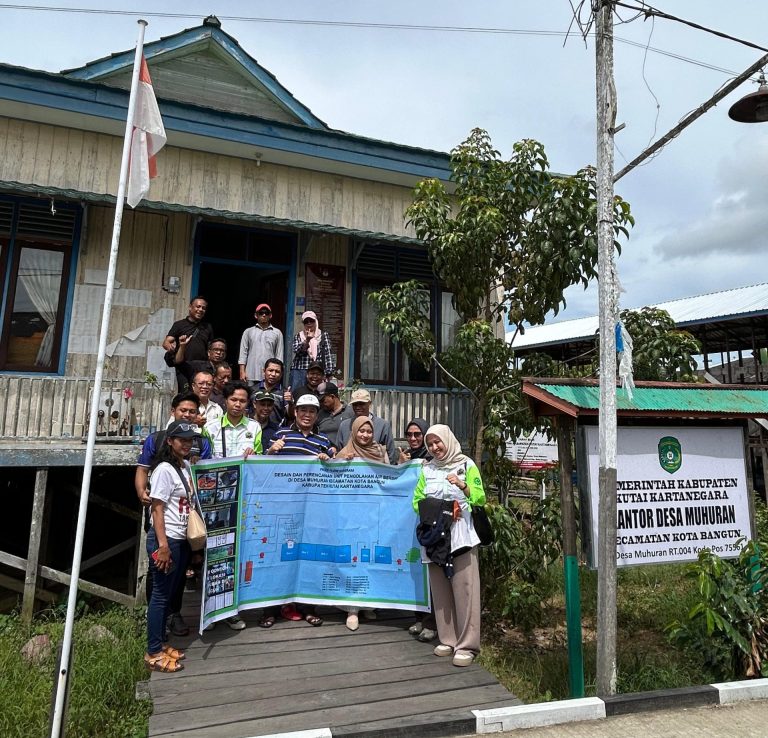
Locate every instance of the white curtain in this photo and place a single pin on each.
(40, 276)
(374, 345)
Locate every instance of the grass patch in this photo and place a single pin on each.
(533, 664)
(104, 675)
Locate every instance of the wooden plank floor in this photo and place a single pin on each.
(378, 682)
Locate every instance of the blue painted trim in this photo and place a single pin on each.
(70, 292)
(156, 49)
(100, 100)
(290, 315)
(353, 321)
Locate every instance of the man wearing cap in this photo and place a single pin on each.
(234, 434)
(314, 377)
(259, 342)
(303, 437)
(332, 412)
(382, 430)
(263, 403)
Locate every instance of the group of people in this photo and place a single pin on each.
(191, 346)
(221, 417)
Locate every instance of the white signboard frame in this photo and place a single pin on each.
(680, 489)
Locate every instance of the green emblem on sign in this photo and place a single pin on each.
(670, 454)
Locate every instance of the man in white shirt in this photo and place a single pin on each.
(202, 386)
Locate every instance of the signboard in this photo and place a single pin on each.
(680, 489)
(533, 451)
(293, 529)
(325, 287)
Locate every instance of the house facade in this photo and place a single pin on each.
(257, 200)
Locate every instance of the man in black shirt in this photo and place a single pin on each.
(217, 352)
(198, 332)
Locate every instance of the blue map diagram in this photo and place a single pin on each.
(310, 536)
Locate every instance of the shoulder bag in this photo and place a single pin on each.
(196, 531)
(482, 525)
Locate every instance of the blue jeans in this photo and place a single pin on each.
(163, 587)
(298, 379)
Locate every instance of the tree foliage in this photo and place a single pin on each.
(662, 353)
(506, 243)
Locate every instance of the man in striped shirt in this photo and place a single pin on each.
(302, 438)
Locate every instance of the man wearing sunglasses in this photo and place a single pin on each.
(259, 342)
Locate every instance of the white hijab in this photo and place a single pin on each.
(453, 456)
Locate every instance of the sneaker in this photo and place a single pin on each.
(416, 628)
(236, 623)
(209, 628)
(463, 658)
(177, 626)
(353, 623)
(443, 650)
(426, 635)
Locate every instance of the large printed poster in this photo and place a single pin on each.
(292, 529)
(679, 489)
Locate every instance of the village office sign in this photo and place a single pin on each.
(679, 490)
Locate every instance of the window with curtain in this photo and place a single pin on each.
(35, 255)
(374, 349)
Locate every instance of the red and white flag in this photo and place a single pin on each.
(147, 139)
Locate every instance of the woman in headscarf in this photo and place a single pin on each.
(455, 588)
(361, 446)
(414, 435)
(309, 346)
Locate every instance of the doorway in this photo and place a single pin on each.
(238, 268)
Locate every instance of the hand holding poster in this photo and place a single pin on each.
(293, 529)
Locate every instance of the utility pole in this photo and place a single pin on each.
(607, 296)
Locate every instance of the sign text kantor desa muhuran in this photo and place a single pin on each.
(679, 490)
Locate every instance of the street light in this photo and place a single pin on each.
(752, 108)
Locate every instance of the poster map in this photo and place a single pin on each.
(292, 529)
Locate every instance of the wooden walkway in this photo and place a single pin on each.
(378, 682)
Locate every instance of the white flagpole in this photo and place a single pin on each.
(66, 644)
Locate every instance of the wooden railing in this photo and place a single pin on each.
(57, 408)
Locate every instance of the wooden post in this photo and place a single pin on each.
(608, 298)
(33, 552)
(142, 563)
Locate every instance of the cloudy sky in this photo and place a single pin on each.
(700, 204)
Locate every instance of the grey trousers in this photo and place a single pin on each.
(456, 603)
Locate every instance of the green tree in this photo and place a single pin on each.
(661, 352)
(507, 243)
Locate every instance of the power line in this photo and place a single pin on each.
(363, 24)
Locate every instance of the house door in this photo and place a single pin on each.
(237, 269)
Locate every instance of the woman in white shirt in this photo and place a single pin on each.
(167, 545)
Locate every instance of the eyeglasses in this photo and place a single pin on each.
(418, 434)
(264, 312)
(186, 427)
(219, 350)
(308, 320)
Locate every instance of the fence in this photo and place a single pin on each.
(57, 408)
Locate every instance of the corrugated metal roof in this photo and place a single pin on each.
(697, 399)
(739, 302)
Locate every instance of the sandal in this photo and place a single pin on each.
(313, 619)
(267, 621)
(163, 663)
(289, 612)
(174, 653)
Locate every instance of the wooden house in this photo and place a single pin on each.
(257, 200)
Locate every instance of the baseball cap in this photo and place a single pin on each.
(308, 400)
(316, 365)
(263, 306)
(262, 394)
(180, 429)
(327, 388)
(360, 395)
